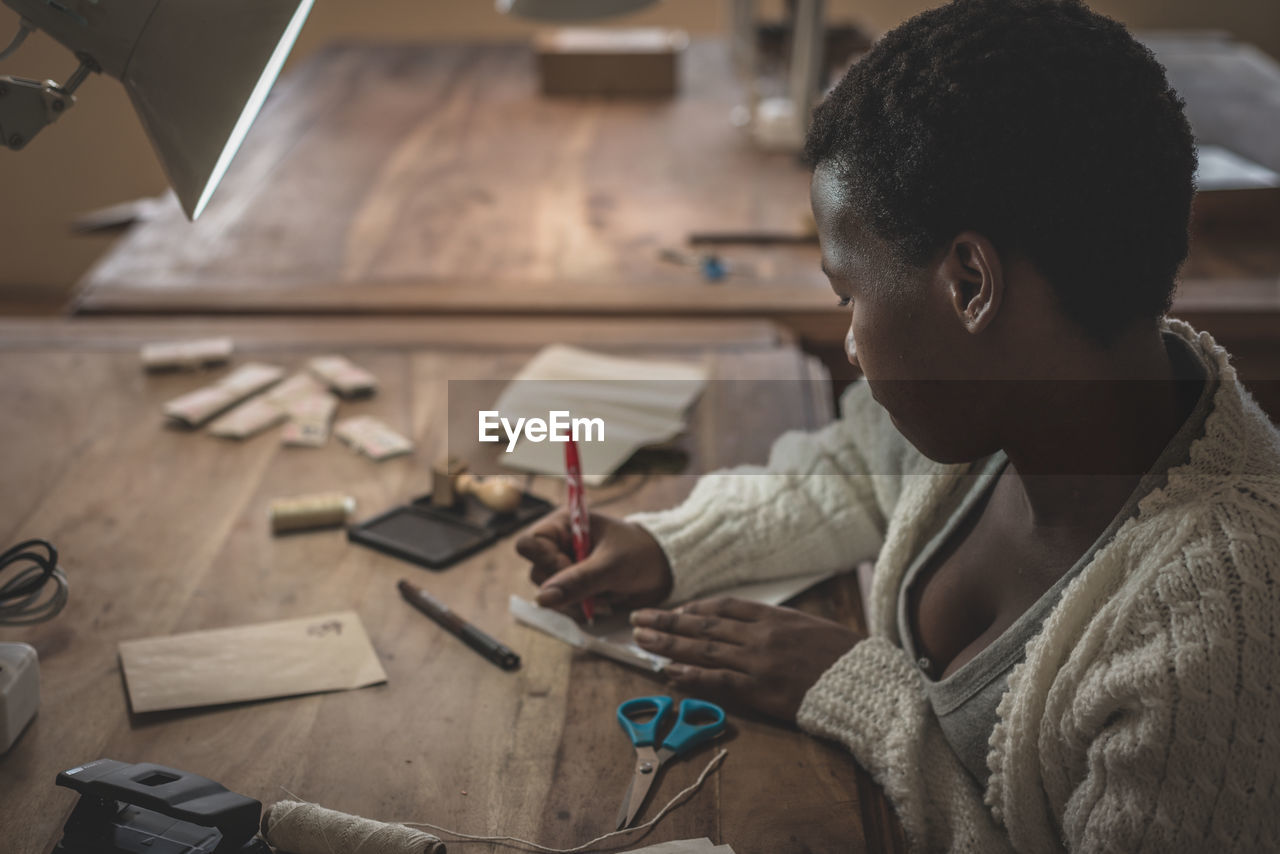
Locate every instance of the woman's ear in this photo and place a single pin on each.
(973, 278)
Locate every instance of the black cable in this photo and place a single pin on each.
(20, 596)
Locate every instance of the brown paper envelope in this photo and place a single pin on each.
(329, 652)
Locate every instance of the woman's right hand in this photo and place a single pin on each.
(626, 566)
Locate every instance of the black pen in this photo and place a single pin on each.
(470, 635)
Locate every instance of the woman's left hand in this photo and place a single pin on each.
(743, 652)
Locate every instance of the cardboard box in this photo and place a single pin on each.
(638, 62)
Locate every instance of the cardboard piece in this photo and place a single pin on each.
(328, 652)
(372, 437)
(345, 378)
(640, 62)
(286, 400)
(309, 421)
(195, 408)
(187, 355)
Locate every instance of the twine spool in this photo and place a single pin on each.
(298, 828)
(304, 512)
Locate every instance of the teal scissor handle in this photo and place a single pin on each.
(685, 735)
(644, 734)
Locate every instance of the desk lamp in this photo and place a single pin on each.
(781, 122)
(197, 72)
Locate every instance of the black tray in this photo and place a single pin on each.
(437, 537)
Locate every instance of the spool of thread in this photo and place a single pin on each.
(298, 828)
(305, 512)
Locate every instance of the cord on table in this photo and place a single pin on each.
(21, 602)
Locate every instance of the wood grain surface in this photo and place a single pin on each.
(381, 163)
(435, 179)
(163, 530)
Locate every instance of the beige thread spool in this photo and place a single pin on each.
(298, 828)
(305, 512)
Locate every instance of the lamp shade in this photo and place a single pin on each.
(570, 10)
(198, 74)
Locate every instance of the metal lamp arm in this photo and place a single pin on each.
(26, 106)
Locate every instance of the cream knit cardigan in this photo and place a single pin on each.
(1145, 716)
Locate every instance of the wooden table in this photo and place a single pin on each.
(434, 179)
(162, 531)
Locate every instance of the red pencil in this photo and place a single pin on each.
(579, 524)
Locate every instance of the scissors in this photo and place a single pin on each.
(697, 722)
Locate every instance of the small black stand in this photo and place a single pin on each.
(438, 537)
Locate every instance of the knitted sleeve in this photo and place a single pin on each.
(1168, 743)
(873, 702)
(820, 505)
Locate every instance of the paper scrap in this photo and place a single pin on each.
(268, 409)
(328, 652)
(683, 846)
(641, 402)
(186, 355)
(611, 636)
(372, 437)
(342, 376)
(1219, 168)
(197, 407)
(564, 628)
(248, 419)
(309, 421)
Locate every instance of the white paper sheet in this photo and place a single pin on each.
(611, 636)
(683, 846)
(1222, 169)
(641, 402)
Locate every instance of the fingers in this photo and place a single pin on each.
(553, 529)
(546, 547)
(572, 584)
(699, 651)
(727, 606)
(544, 556)
(706, 641)
(689, 625)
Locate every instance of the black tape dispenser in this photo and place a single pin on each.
(151, 809)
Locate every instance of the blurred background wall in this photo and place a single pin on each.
(97, 154)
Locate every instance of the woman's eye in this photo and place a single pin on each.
(844, 302)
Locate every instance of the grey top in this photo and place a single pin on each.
(965, 702)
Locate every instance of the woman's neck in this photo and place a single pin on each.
(1085, 438)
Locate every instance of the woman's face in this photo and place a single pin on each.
(903, 335)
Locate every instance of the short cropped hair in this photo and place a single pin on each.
(1038, 123)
